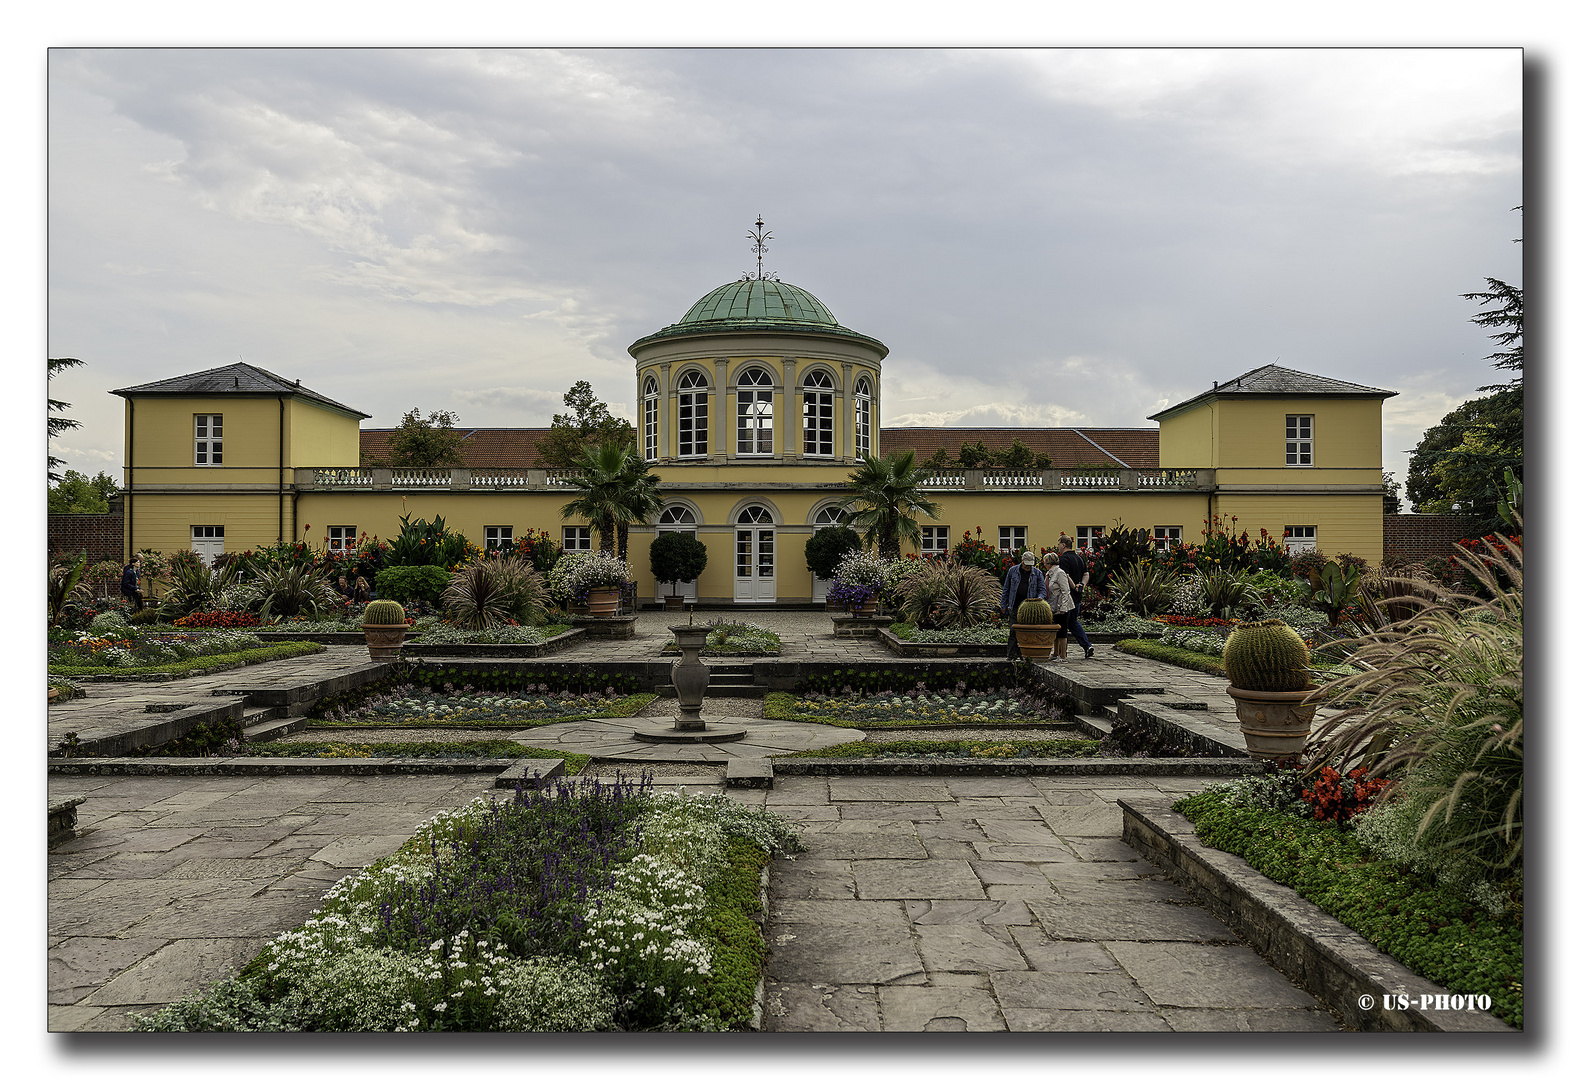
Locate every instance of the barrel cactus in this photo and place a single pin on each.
(1034, 613)
(1266, 656)
(383, 613)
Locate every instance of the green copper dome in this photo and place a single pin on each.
(748, 299)
(768, 306)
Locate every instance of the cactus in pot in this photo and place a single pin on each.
(383, 623)
(1267, 656)
(1268, 666)
(1035, 629)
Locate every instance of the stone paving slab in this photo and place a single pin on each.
(1074, 932)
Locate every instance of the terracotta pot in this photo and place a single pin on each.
(863, 609)
(602, 602)
(675, 603)
(385, 641)
(1275, 724)
(54, 692)
(1036, 640)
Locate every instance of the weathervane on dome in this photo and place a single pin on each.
(758, 236)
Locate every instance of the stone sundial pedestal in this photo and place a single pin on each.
(691, 679)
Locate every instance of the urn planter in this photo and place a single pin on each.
(1036, 640)
(1275, 724)
(603, 602)
(385, 641)
(689, 676)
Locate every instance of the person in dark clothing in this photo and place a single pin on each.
(1023, 582)
(1074, 567)
(131, 582)
(362, 591)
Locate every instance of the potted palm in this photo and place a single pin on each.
(1268, 671)
(384, 626)
(677, 557)
(1036, 629)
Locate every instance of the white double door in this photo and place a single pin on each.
(755, 564)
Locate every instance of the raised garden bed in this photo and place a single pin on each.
(179, 669)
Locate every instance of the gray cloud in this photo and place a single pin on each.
(1058, 237)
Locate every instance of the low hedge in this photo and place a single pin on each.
(1074, 748)
(499, 748)
(1442, 935)
(631, 705)
(196, 665)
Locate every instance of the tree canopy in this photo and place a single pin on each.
(885, 497)
(977, 456)
(429, 442)
(1461, 464)
(587, 422)
(76, 493)
(58, 424)
(616, 489)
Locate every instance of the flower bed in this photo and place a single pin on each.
(441, 633)
(583, 907)
(407, 705)
(989, 634)
(956, 748)
(133, 647)
(498, 748)
(1468, 942)
(152, 664)
(730, 637)
(921, 709)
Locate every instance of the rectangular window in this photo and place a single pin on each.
(209, 438)
(498, 537)
(575, 538)
(1084, 534)
(651, 428)
(864, 427)
(1297, 539)
(755, 421)
(818, 423)
(1166, 536)
(935, 539)
(1300, 440)
(1011, 537)
(692, 423)
(341, 537)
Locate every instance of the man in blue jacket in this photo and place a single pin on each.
(1023, 582)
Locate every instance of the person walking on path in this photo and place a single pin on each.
(131, 582)
(1023, 582)
(1061, 598)
(1074, 566)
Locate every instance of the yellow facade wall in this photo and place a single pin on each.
(1343, 523)
(319, 438)
(163, 522)
(1253, 443)
(1189, 440)
(161, 440)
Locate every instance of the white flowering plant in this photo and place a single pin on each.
(579, 571)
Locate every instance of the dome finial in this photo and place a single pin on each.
(758, 236)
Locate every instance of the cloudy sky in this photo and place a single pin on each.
(1040, 237)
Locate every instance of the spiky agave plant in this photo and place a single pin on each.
(969, 595)
(1438, 708)
(298, 589)
(475, 598)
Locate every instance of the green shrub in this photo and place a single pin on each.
(827, 547)
(677, 557)
(412, 584)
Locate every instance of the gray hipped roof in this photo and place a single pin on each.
(243, 379)
(1275, 381)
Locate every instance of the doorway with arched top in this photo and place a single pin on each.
(678, 518)
(755, 556)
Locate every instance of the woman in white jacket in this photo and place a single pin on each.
(1061, 598)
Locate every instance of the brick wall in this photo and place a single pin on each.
(1413, 537)
(102, 536)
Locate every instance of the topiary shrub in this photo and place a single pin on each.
(677, 557)
(412, 583)
(1266, 656)
(383, 613)
(1035, 613)
(826, 547)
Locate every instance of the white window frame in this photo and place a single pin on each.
(1298, 539)
(651, 419)
(1166, 536)
(576, 538)
(935, 539)
(203, 537)
(1084, 534)
(692, 415)
(755, 413)
(818, 414)
(864, 418)
(341, 538)
(209, 440)
(498, 535)
(1013, 531)
(1300, 440)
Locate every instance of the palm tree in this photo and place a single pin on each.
(617, 489)
(886, 495)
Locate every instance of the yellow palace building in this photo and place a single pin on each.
(753, 408)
